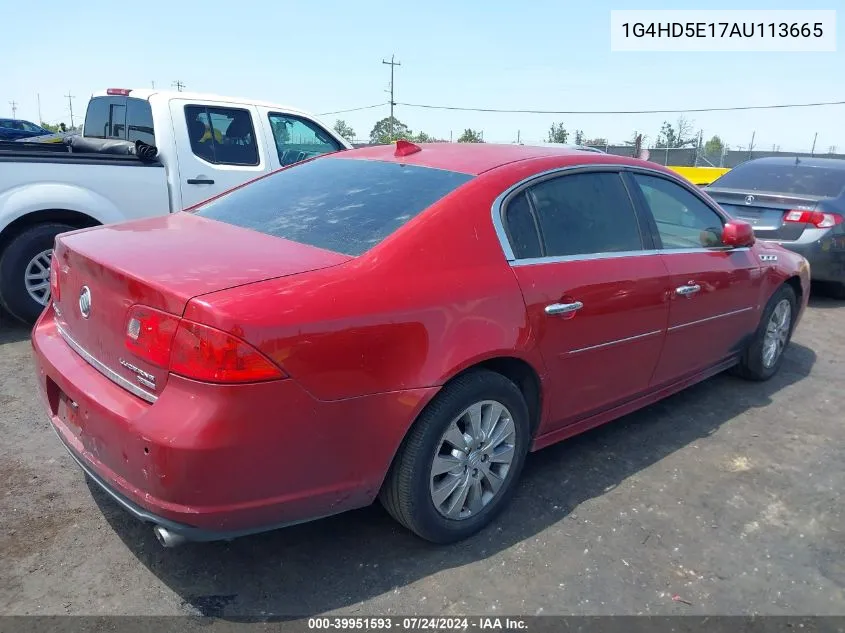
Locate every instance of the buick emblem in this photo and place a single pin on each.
(749, 199)
(85, 302)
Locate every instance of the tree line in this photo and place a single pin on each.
(680, 134)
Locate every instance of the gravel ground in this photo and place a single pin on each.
(723, 499)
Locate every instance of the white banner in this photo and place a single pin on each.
(723, 30)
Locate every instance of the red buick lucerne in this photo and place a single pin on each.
(395, 322)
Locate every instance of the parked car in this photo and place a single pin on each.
(404, 323)
(13, 129)
(796, 202)
(205, 144)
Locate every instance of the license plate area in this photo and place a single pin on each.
(63, 407)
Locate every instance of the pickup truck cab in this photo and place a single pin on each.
(206, 144)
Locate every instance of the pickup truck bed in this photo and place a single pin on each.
(67, 188)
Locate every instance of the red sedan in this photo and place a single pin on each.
(403, 323)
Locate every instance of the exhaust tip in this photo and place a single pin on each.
(167, 538)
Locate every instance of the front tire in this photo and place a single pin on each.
(763, 355)
(25, 271)
(457, 468)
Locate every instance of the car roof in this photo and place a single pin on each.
(477, 158)
(147, 93)
(806, 161)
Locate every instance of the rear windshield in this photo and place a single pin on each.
(807, 180)
(338, 204)
(120, 117)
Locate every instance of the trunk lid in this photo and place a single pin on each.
(162, 263)
(765, 211)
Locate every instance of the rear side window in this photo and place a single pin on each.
(342, 205)
(800, 179)
(298, 139)
(124, 118)
(522, 230)
(222, 136)
(584, 214)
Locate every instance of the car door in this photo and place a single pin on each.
(596, 299)
(713, 287)
(217, 147)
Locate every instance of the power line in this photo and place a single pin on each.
(392, 65)
(678, 111)
(369, 107)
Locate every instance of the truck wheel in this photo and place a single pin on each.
(25, 271)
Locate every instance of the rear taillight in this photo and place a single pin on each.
(211, 355)
(818, 219)
(55, 292)
(193, 350)
(149, 334)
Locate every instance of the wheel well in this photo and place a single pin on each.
(523, 376)
(73, 218)
(795, 282)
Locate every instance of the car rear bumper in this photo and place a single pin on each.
(825, 254)
(212, 462)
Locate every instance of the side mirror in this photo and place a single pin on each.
(737, 234)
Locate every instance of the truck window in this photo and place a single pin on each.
(120, 117)
(297, 139)
(222, 136)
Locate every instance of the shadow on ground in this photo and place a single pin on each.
(12, 330)
(338, 562)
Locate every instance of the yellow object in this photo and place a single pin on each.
(700, 175)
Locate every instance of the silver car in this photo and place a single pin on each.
(796, 202)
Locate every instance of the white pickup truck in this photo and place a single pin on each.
(204, 145)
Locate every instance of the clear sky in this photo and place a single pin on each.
(325, 56)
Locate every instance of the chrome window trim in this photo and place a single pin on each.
(617, 341)
(533, 261)
(106, 371)
(498, 208)
(711, 318)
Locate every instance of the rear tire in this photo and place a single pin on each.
(412, 490)
(19, 259)
(761, 361)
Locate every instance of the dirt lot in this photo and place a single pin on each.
(724, 499)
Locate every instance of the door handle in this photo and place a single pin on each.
(563, 308)
(200, 181)
(688, 290)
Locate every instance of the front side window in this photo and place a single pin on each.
(297, 139)
(342, 205)
(683, 221)
(577, 214)
(222, 136)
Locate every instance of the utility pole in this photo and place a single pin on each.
(517, 137)
(153, 84)
(813, 151)
(40, 118)
(14, 105)
(178, 85)
(751, 145)
(70, 99)
(392, 65)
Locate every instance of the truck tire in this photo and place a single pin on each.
(21, 270)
